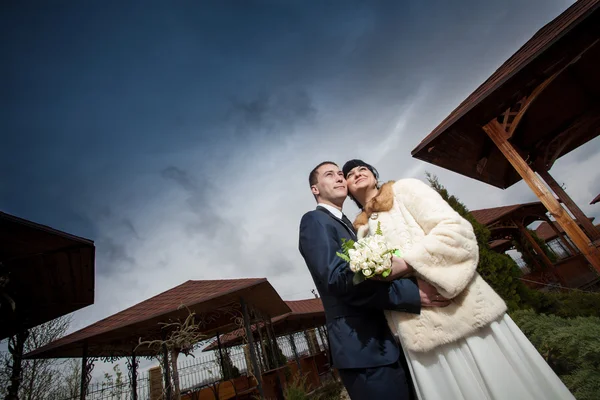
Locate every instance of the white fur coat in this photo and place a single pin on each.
(441, 247)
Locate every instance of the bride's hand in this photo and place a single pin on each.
(399, 269)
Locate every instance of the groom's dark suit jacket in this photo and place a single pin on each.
(359, 336)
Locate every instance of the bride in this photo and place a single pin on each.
(471, 349)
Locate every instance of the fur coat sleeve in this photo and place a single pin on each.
(448, 254)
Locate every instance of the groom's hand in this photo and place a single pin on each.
(430, 296)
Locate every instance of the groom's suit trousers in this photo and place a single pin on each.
(388, 382)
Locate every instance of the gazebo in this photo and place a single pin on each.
(539, 105)
(44, 274)
(305, 314)
(219, 306)
(596, 200)
(509, 223)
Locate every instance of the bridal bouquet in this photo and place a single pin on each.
(369, 256)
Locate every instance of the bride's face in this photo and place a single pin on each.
(359, 179)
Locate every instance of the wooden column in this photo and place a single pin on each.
(499, 137)
(224, 373)
(166, 370)
(133, 375)
(586, 224)
(250, 337)
(536, 266)
(525, 232)
(16, 347)
(561, 236)
(84, 366)
(295, 351)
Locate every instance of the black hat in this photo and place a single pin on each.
(350, 165)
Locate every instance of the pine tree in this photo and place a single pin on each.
(228, 368)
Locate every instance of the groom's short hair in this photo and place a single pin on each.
(313, 177)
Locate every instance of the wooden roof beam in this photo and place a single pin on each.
(500, 137)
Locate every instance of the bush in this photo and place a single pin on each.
(330, 391)
(568, 304)
(569, 346)
(296, 390)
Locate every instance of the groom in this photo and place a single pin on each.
(361, 344)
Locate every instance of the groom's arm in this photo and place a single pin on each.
(320, 242)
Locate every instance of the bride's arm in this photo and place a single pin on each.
(448, 255)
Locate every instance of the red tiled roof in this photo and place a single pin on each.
(543, 38)
(300, 309)
(486, 216)
(191, 294)
(546, 233)
(596, 199)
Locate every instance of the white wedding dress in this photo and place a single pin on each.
(498, 362)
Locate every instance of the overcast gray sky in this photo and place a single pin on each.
(179, 135)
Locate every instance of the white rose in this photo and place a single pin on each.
(366, 272)
(387, 263)
(352, 253)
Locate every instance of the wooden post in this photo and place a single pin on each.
(273, 341)
(293, 344)
(265, 356)
(499, 137)
(84, 383)
(561, 236)
(16, 347)
(250, 337)
(166, 371)
(534, 243)
(133, 375)
(586, 224)
(224, 373)
(536, 266)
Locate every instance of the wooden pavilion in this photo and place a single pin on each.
(542, 103)
(219, 306)
(509, 224)
(596, 200)
(307, 316)
(44, 274)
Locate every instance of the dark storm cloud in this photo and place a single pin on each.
(269, 113)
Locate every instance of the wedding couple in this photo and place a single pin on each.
(433, 328)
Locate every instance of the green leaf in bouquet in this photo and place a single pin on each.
(343, 256)
(347, 244)
(397, 253)
(386, 273)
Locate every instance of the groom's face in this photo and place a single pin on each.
(331, 185)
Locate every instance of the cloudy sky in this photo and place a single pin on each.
(178, 135)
